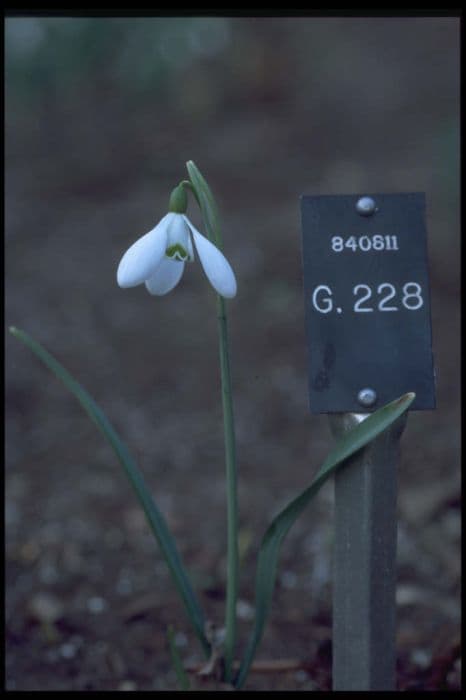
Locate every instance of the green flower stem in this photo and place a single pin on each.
(206, 202)
(232, 507)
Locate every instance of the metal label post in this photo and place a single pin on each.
(364, 565)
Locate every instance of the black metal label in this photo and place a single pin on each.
(367, 301)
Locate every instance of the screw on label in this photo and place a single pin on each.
(365, 206)
(367, 397)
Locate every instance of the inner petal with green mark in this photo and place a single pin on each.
(177, 252)
(178, 245)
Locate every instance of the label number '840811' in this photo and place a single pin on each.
(366, 301)
(364, 243)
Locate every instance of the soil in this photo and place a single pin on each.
(88, 595)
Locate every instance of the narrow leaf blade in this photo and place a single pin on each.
(350, 443)
(154, 516)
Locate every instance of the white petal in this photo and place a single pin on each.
(166, 277)
(216, 266)
(141, 259)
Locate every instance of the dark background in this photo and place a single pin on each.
(101, 116)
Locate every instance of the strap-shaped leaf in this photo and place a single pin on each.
(206, 202)
(154, 516)
(350, 443)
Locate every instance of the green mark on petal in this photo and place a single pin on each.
(176, 252)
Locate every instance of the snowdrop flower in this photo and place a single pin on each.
(158, 258)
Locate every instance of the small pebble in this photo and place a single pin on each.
(127, 685)
(44, 607)
(124, 585)
(96, 605)
(421, 657)
(301, 676)
(181, 639)
(68, 650)
(29, 552)
(244, 610)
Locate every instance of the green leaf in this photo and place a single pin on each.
(181, 675)
(206, 202)
(269, 550)
(154, 516)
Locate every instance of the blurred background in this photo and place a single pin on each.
(101, 115)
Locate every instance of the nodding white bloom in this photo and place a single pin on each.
(158, 258)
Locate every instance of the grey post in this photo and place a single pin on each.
(364, 583)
